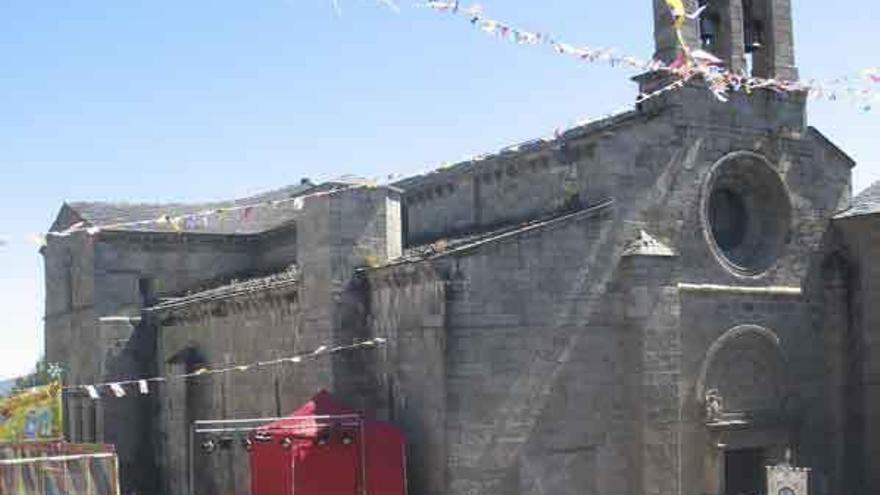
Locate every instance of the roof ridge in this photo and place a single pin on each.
(579, 131)
(295, 189)
(872, 187)
(232, 287)
(128, 215)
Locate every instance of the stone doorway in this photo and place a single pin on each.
(744, 472)
(744, 390)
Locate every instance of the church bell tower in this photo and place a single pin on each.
(751, 36)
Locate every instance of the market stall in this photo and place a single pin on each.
(326, 448)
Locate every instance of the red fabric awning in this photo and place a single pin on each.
(327, 448)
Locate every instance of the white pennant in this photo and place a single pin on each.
(117, 390)
(93, 392)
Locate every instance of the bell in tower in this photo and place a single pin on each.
(750, 36)
(709, 27)
(753, 28)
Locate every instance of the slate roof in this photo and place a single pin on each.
(866, 202)
(258, 220)
(233, 288)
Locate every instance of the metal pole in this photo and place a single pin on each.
(363, 456)
(191, 460)
(254, 420)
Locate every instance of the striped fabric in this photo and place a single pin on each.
(78, 474)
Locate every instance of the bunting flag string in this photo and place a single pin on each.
(188, 221)
(390, 4)
(559, 131)
(863, 89)
(503, 30)
(643, 97)
(689, 63)
(117, 389)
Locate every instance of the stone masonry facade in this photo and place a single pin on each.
(661, 302)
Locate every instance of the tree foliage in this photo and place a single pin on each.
(40, 376)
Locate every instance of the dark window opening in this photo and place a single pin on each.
(753, 28)
(709, 27)
(744, 472)
(68, 282)
(146, 291)
(729, 218)
(89, 423)
(67, 425)
(747, 214)
(68, 288)
(754, 36)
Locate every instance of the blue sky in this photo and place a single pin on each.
(160, 100)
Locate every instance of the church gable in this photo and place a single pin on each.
(66, 217)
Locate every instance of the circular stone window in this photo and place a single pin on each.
(746, 213)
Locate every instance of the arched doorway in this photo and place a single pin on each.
(743, 391)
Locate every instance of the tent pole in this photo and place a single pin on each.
(192, 460)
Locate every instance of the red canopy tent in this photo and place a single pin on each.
(325, 448)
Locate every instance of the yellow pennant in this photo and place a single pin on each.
(679, 15)
(678, 12)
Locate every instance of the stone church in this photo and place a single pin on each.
(661, 302)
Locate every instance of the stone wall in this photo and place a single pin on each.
(72, 335)
(656, 172)
(71, 313)
(94, 284)
(89, 277)
(171, 264)
(408, 308)
(770, 373)
(669, 203)
(523, 183)
(337, 233)
(128, 422)
(277, 249)
(245, 329)
(536, 364)
(497, 354)
(863, 253)
(650, 311)
(835, 309)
